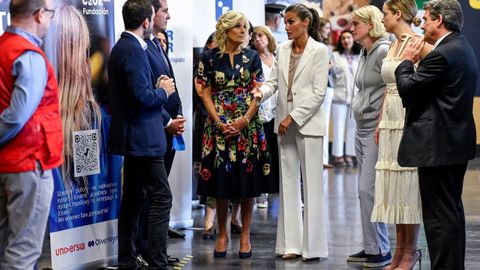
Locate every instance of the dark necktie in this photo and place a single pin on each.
(162, 53)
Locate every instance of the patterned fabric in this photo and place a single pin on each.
(240, 166)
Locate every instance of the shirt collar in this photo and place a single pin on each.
(23, 33)
(140, 40)
(440, 40)
(152, 37)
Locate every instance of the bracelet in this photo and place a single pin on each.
(218, 123)
(246, 119)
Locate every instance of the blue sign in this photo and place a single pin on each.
(87, 202)
(222, 6)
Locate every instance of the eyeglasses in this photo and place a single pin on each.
(46, 10)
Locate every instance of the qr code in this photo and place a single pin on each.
(86, 159)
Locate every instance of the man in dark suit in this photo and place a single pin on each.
(439, 133)
(137, 133)
(160, 64)
(173, 119)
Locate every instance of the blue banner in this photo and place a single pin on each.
(222, 6)
(93, 201)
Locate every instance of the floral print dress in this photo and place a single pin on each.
(239, 167)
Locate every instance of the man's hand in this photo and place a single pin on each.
(177, 126)
(377, 136)
(412, 50)
(284, 124)
(166, 83)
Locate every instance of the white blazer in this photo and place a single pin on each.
(308, 90)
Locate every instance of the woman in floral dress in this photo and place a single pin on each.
(235, 160)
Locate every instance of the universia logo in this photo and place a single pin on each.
(69, 249)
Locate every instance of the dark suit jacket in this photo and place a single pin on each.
(136, 106)
(438, 98)
(174, 105)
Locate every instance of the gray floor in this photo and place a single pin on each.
(344, 231)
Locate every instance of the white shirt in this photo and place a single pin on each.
(266, 112)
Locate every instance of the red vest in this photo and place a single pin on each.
(41, 138)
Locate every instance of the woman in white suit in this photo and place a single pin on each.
(300, 75)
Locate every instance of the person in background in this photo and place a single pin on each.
(265, 44)
(273, 20)
(29, 108)
(397, 195)
(300, 75)
(368, 30)
(163, 38)
(78, 107)
(137, 132)
(439, 132)
(345, 59)
(235, 159)
(325, 29)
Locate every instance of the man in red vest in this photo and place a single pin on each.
(30, 134)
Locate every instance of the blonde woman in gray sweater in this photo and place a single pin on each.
(367, 29)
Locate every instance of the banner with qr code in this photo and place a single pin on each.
(84, 210)
(86, 157)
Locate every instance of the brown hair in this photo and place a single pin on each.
(304, 12)
(22, 7)
(408, 9)
(272, 44)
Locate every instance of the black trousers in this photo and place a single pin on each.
(142, 238)
(144, 179)
(443, 216)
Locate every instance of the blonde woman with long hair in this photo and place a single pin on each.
(67, 46)
(235, 159)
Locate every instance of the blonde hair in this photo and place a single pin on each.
(67, 46)
(371, 14)
(226, 22)
(408, 9)
(272, 43)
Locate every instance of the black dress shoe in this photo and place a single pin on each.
(175, 234)
(172, 261)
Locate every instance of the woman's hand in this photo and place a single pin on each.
(228, 130)
(284, 124)
(240, 123)
(377, 136)
(257, 94)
